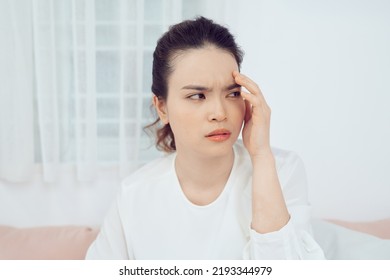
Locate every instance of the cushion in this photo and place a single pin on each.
(45, 243)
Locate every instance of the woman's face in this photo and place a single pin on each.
(204, 107)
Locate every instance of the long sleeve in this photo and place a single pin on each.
(110, 243)
(294, 240)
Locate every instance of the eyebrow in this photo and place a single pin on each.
(203, 88)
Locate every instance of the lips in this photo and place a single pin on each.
(219, 135)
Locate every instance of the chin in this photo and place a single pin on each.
(206, 148)
(217, 149)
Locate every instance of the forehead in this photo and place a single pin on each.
(205, 66)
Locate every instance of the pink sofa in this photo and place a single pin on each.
(45, 243)
(339, 239)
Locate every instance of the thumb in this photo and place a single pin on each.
(248, 111)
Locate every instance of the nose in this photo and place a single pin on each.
(217, 111)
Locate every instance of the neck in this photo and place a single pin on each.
(203, 174)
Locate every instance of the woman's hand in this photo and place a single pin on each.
(256, 131)
(269, 210)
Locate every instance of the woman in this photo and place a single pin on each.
(211, 197)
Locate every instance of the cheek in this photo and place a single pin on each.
(239, 111)
(180, 119)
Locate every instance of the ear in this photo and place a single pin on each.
(161, 109)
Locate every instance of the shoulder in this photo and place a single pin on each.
(149, 173)
(287, 162)
(286, 158)
(283, 158)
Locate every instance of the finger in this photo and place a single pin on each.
(248, 84)
(255, 102)
(251, 98)
(248, 111)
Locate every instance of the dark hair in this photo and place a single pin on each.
(189, 34)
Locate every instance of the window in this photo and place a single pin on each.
(93, 62)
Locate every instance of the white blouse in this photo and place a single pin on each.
(153, 219)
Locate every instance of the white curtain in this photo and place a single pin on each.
(76, 89)
(16, 84)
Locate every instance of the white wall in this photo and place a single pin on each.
(67, 202)
(324, 68)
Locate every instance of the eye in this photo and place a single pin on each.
(234, 94)
(197, 96)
